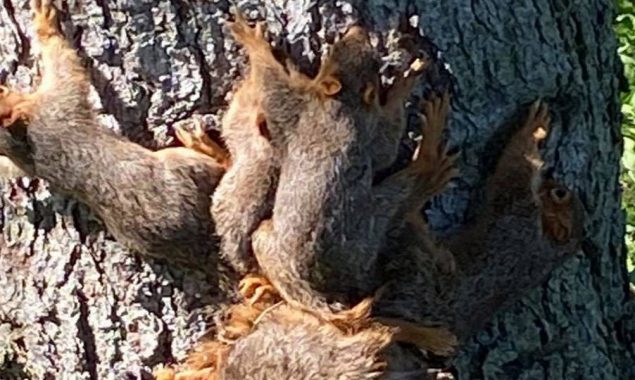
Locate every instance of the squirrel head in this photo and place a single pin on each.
(351, 69)
(561, 212)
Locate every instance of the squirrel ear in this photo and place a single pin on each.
(370, 93)
(330, 86)
(261, 122)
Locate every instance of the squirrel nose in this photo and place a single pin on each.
(357, 31)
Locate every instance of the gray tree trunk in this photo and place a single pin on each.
(74, 305)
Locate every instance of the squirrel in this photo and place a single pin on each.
(295, 344)
(244, 196)
(290, 344)
(517, 187)
(529, 225)
(298, 344)
(153, 202)
(328, 220)
(528, 233)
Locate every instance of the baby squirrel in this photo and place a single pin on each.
(295, 344)
(528, 227)
(518, 187)
(289, 344)
(244, 196)
(531, 225)
(328, 219)
(155, 203)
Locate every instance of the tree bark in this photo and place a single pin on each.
(75, 305)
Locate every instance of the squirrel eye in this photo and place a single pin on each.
(560, 195)
(3, 91)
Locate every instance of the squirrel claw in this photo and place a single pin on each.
(254, 288)
(538, 121)
(190, 135)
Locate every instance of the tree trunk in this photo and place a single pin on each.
(75, 305)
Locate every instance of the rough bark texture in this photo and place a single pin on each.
(74, 305)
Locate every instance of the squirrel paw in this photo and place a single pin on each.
(538, 121)
(13, 107)
(257, 288)
(238, 322)
(433, 162)
(192, 135)
(202, 363)
(44, 19)
(245, 34)
(436, 112)
(401, 89)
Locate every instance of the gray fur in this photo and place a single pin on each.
(155, 203)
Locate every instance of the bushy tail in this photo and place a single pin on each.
(437, 340)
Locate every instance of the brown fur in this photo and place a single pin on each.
(245, 194)
(296, 345)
